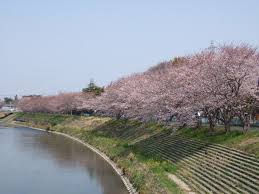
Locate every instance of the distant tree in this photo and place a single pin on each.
(93, 88)
(8, 100)
(178, 60)
(1, 103)
(16, 98)
(66, 102)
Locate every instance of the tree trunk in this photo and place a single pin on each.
(247, 124)
(118, 115)
(246, 127)
(212, 122)
(212, 125)
(227, 127)
(199, 123)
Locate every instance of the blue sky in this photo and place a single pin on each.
(47, 46)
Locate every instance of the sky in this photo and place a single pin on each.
(51, 46)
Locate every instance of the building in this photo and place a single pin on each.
(9, 108)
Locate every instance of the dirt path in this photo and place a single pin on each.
(181, 184)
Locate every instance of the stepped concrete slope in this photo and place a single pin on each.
(205, 167)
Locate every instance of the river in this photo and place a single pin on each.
(37, 162)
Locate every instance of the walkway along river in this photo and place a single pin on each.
(34, 161)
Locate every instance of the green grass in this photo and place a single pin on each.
(45, 119)
(247, 142)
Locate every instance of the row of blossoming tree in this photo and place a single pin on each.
(218, 83)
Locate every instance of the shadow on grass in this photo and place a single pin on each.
(148, 141)
(165, 144)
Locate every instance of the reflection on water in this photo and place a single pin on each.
(35, 162)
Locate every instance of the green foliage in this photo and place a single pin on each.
(138, 179)
(8, 100)
(178, 60)
(45, 119)
(93, 88)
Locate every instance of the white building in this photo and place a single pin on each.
(9, 108)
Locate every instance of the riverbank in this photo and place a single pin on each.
(148, 174)
(34, 161)
(124, 179)
(235, 139)
(149, 153)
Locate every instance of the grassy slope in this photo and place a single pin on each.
(115, 138)
(248, 142)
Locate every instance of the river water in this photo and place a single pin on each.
(37, 162)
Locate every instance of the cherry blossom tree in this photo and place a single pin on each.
(218, 82)
(226, 82)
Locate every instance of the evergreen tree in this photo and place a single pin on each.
(93, 88)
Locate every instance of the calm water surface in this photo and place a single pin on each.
(35, 162)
